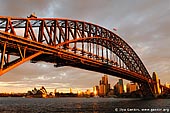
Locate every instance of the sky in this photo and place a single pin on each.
(143, 24)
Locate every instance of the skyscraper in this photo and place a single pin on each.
(119, 87)
(96, 90)
(104, 86)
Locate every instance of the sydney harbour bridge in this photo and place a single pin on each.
(75, 43)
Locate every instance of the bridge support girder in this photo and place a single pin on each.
(7, 65)
(17, 63)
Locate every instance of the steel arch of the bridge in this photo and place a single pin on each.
(36, 36)
(73, 30)
(112, 45)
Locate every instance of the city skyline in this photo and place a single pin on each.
(101, 89)
(138, 23)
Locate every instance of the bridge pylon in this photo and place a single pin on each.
(157, 89)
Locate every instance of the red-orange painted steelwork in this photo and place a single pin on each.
(70, 42)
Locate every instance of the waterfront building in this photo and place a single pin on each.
(119, 87)
(131, 87)
(124, 88)
(104, 86)
(102, 90)
(87, 92)
(41, 93)
(96, 90)
(71, 90)
(80, 93)
(167, 85)
(116, 89)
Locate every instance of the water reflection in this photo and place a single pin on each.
(81, 105)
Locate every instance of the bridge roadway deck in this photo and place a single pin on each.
(51, 54)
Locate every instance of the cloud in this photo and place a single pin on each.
(143, 24)
(23, 8)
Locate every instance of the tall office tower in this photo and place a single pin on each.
(120, 86)
(104, 87)
(102, 91)
(116, 92)
(125, 88)
(157, 88)
(105, 79)
(96, 90)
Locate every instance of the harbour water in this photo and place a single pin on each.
(82, 105)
